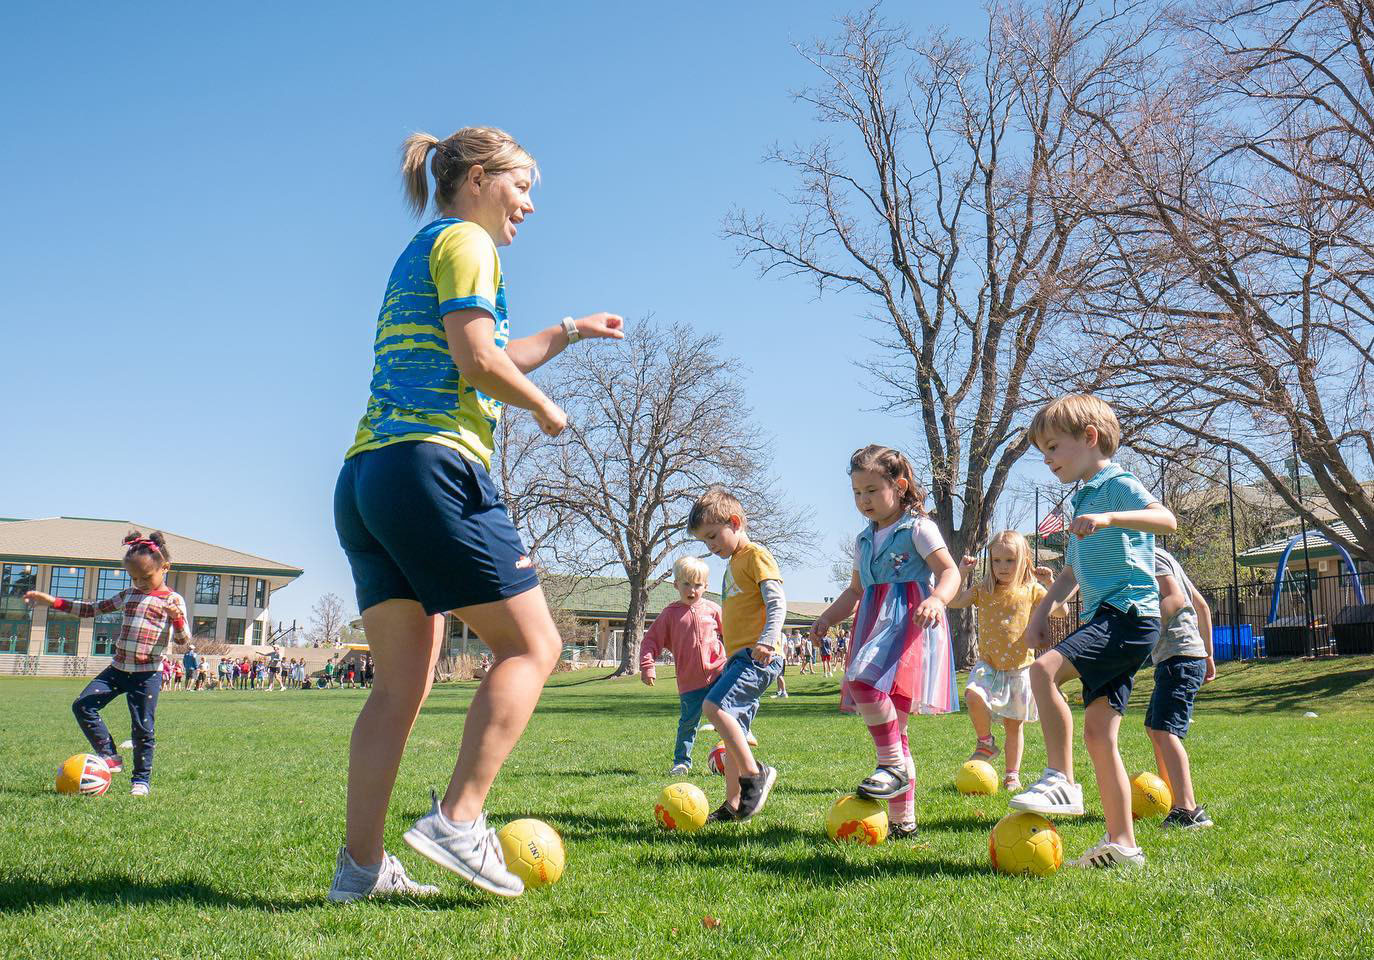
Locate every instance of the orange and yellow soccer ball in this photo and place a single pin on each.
(1150, 797)
(681, 806)
(533, 851)
(83, 773)
(857, 820)
(976, 778)
(1025, 843)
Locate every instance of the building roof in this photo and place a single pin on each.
(1318, 547)
(98, 542)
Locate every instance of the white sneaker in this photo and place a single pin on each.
(1051, 795)
(473, 852)
(138, 789)
(1108, 854)
(387, 879)
(679, 770)
(750, 739)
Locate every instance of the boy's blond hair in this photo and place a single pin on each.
(690, 570)
(1073, 414)
(716, 505)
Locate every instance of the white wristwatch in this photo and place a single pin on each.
(570, 328)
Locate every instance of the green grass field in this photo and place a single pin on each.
(231, 855)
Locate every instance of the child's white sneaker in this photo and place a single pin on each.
(1051, 795)
(138, 789)
(1107, 854)
(752, 740)
(387, 879)
(679, 770)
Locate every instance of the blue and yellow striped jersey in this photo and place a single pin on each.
(417, 391)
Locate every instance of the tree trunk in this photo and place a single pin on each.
(634, 626)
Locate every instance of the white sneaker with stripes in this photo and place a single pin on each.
(1051, 795)
(1107, 854)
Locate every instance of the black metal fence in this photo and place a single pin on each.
(1316, 617)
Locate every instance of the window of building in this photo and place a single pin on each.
(238, 591)
(205, 629)
(207, 588)
(109, 582)
(260, 595)
(106, 632)
(257, 631)
(16, 579)
(234, 627)
(62, 631)
(69, 582)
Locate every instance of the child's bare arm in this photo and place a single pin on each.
(1172, 599)
(1156, 518)
(1204, 626)
(1037, 633)
(932, 608)
(967, 587)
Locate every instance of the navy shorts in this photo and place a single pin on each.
(1108, 650)
(742, 682)
(420, 521)
(1177, 681)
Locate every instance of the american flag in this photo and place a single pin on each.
(1055, 522)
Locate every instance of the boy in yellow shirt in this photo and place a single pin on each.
(753, 609)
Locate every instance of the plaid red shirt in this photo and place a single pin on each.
(143, 634)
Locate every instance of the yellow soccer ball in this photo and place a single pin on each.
(1025, 843)
(83, 773)
(533, 851)
(857, 820)
(681, 806)
(1150, 797)
(976, 778)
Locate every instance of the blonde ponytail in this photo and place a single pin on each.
(490, 147)
(414, 153)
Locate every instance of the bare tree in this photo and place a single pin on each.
(1235, 308)
(950, 221)
(652, 422)
(327, 619)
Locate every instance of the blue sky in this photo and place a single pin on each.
(201, 207)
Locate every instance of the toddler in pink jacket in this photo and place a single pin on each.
(690, 630)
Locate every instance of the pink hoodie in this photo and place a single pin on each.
(692, 635)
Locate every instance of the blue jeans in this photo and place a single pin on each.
(687, 721)
(140, 690)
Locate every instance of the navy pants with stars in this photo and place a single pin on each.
(140, 690)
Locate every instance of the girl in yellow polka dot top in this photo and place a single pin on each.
(999, 684)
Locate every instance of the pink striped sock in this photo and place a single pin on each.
(877, 710)
(902, 809)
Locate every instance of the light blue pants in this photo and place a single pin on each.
(688, 720)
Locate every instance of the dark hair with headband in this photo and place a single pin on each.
(154, 545)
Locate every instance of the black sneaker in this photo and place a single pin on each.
(753, 791)
(900, 831)
(1195, 819)
(723, 814)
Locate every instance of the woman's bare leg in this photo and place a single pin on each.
(405, 643)
(526, 645)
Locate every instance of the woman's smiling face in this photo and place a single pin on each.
(503, 202)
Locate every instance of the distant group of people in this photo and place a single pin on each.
(195, 671)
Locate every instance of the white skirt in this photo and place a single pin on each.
(1006, 692)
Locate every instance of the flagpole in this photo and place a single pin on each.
(1037, 524)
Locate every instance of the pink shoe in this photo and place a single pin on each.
(986, 750)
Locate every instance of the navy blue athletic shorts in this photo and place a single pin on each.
(1177, 681)
(1108, 650)
(420, 521)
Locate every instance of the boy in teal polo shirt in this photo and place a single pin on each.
(1111, 560)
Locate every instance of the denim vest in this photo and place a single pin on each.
(897, 562)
